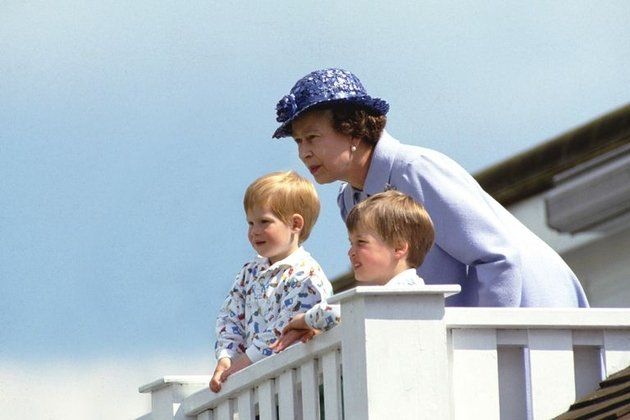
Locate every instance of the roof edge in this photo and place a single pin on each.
(531, 172)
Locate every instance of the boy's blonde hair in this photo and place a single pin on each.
(395, 217)
(286, 193)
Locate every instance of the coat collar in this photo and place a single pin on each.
(383, 158)
(379, 173)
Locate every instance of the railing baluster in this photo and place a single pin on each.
(475, 391)
(616, 345)
(310, 390)
(225, 410)
(206, 415)
(587, 367)
(332, 386)
(287, 396)
(267, 400)
(552, 372)
(246, 405)
(512, 385)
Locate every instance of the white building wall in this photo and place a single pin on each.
(603, 267)
(601, 260)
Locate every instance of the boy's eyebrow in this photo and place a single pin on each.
(356, 234)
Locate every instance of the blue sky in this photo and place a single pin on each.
(130, 130)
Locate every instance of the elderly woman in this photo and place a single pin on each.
(340, 135)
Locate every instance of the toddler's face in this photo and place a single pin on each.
(373, 260)
(270, 236)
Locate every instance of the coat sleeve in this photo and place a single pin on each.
(467, 226)
(230, 325)
(302, 288)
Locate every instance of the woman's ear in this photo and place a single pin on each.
(297, 223)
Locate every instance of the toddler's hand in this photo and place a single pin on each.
(222, 365)
(296, 329)
(239, 363)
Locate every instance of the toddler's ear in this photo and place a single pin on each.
(297, 223)
(401, 249)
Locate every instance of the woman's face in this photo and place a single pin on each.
(325, 152)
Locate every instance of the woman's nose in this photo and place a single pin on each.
(303, 151)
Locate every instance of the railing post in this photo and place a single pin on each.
(394, 352)
(168, 393)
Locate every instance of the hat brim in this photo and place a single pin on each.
(375, 104)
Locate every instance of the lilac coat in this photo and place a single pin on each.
(478, 244)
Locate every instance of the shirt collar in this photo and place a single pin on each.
(404, 278)
(291, 260)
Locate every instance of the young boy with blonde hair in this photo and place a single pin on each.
(390, 234)
(281, 282)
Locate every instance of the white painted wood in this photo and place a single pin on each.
(602, 267)
(418, 291)
(588, 369)
(310, 390)
(617, 350)
(332, 385)
(287, 392)
(246, 405)
(225, 410)
(378, 332)
(267, 368)
(552, 372)
(206, 415)
(512, 384)
(475, 374)
(380, 327)
(593, 338)
(549, 318)
(512, 338)
(267, 400)
(167, 395)
(162, 404)
(167, 380)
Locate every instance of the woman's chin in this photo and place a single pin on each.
(321, 178)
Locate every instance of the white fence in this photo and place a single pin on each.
(402, 355)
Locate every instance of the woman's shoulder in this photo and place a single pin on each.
(412, 158)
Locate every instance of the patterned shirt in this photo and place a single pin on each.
(263, 299)
(324, 316)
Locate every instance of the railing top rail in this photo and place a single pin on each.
(444, 289)
(262, 370)
(553, 318)
(175, 379)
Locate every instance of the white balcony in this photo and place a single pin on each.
(402, 355)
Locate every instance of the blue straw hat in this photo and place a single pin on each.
(322, 86)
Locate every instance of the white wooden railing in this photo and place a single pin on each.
(402, 355)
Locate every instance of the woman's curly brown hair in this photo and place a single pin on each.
(356, 121)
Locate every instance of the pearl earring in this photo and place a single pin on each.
(353, 148)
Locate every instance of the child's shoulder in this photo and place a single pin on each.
(307, 268)
(252, 267)
(306, 259)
